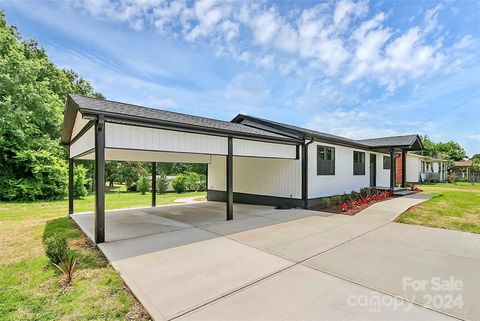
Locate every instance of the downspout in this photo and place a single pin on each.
(305, 172)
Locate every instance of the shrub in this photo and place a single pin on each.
(325, 203)
(162, 183)
(365, 191)
(179, 183)
(202, 183)
(336, 200)
(79, 182)
(56, 248)
(67, 266)
(355, 195)
(192, 181)
(143, 185)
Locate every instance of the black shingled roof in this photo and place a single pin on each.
(406, 141)
(113, 109)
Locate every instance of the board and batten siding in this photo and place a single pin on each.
(142, 138)
(413, 165)
(83, 143)
(259, 176)
(242, 147)
(343, 181)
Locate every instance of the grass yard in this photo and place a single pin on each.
(457, 207)
(29, 285)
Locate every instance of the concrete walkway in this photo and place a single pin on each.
(187, 262)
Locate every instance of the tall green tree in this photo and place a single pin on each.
(32, 98)
(450, 150)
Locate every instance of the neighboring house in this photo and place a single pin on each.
(463, 168)
(250, 160)
(421, 169)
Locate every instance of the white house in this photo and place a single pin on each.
(424, 168)
(250, 160)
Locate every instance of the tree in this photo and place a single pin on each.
(450, 150)
(79, 182)
(179, 183)
(32, 98)
(162, 183)
(130, 173)
(143, 185)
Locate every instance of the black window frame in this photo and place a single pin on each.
(325, 167)
(358, 163)
(387, 162)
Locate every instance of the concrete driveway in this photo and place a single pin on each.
(187, 262)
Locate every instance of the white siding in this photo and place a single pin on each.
(83, 144)
(243, 147)
(413, 168)
(343, 181)
(383, 175)
(133, 137)
(260, 176)
(78, 125)
(147, 156)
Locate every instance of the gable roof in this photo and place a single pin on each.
(134, 114)
(409, 142)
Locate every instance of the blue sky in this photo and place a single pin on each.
(358, 69)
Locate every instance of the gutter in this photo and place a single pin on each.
(305, 171)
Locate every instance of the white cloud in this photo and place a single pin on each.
(339, 39)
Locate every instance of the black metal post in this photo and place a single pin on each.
(70, 185)
(304, 175)
(392, 169)
(404, 168)
(154, 184)
(100, 180)
(230, 179)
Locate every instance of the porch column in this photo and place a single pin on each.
(404, 168)
(70, 185)
(392, 169)
(230, 179)
(154, 184)
(100, 180)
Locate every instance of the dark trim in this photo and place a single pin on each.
(85, 128)
(154, 184)
(305, 173)
(245, 198)
(297, 152)
(229, 185)
(404, 168)
(392, 169)
(70, 185)
(180, 127)
(99, 181)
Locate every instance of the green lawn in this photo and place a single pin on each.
(457, 207)
(29, 285)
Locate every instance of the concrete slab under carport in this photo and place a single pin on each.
(383, 258)
(302, 293)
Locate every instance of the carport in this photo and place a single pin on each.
(102, 130)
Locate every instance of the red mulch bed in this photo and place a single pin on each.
(351, 211)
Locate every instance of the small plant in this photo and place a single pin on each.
(162, 183)
(355, 195)
(179, 184)
(192, 181)
(56, 248)
(143, 185)
(344, 207)
(325, 203)
(67, 266)
(336, 200)
(365, 191)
